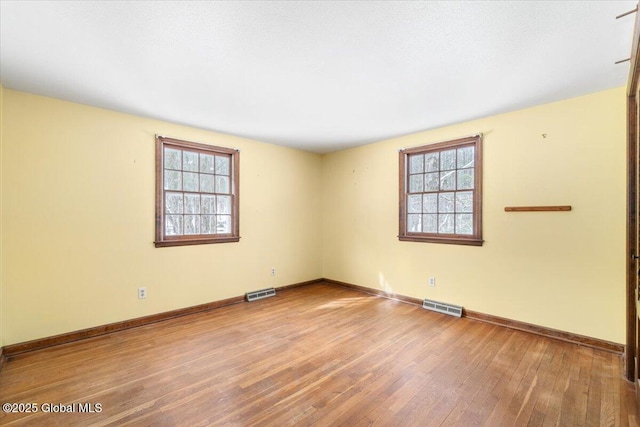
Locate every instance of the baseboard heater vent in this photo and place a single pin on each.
(264, 293)
(441, 307)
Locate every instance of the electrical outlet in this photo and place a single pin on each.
(273, 271)
(432, 281)
(142, 293)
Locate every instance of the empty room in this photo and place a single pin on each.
(393, 213)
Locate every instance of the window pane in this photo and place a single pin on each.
(192, 224)
(448, 160)
(172, 158)
(173, 225)
(416, 183)
(465, 179)
(172, 180)
(430, 203)
(173, 203)
(222, 165)
(224, 224)
(416, 163)
(445, 223)
(464, 201)
(414, 223)
(465, 157)
(224, 205)
(464, 224)
(192, 203)
(445, 202)
(208, 204)
(429, 223)
(206, 163)
(432, 162)
(208, 224)
(189, 161)
(432, 181)
(206, 183)
(448, 180)
(222, 184)
(414, 203)
(191, 181)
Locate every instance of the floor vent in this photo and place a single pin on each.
(264, 293)
(440, 307)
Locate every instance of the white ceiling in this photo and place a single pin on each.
(314, 75)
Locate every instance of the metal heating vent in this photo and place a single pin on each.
(264, 293)
(441, 307)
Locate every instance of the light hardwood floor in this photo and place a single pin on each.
(321, 355)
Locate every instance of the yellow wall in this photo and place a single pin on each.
(78, 220)
(560, 270)
(1, 241)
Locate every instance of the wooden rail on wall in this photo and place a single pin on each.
(537, 208)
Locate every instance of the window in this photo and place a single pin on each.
(196, 193)
(441, 192)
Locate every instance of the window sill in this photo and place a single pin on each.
(166, 243)
(446, 240)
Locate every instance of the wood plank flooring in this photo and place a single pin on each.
(320, 355)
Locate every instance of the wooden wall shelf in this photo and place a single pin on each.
(537, 208)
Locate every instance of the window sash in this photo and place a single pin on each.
(220, 184)
(411, 190)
